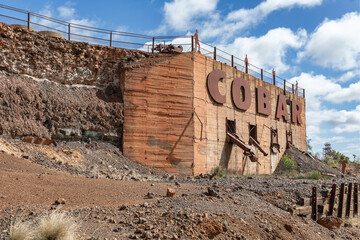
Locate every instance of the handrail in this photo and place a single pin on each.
(271, 77)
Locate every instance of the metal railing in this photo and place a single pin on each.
(78, 32)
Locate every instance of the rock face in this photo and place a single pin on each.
(63, 61)
(59, 89)
(47, 109)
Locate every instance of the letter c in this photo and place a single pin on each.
(213, 87)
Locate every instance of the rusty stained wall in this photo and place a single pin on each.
(158, 122)
(212, 150)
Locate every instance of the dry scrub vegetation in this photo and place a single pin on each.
(55, 226)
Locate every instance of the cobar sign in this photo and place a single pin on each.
(241, 96)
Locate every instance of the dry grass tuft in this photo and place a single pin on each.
(57, 226)
(21, 231)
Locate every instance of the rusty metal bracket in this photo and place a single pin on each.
(202, 125)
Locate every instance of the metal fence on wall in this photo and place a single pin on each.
(93, 35)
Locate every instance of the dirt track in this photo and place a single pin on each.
(26, 184)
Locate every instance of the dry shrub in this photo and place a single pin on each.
(21, 231)
(56, 226)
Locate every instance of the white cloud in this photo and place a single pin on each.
(335, 43)
(66, 12)
(269, 50)
(348, 94)
(320, 89)
(180, 13)
(349, 75)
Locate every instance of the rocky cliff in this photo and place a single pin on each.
(51, 87)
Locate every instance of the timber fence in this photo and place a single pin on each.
(79, 32)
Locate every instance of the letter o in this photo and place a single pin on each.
(241, 99)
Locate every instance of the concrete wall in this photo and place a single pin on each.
(158, 119)
(212, 150)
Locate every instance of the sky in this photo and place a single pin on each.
(313, 42)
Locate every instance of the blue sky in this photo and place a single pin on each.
(314, 42)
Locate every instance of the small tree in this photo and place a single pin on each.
(308, 146)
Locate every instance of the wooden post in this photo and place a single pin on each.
(110, 39)
(348, 201)
(332, 200)
(214, 53)
(28, 22)
(341, 200)
(356, 200)
(153, 45)
(314, 204)
(69, 32)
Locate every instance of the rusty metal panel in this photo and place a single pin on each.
(356, 200)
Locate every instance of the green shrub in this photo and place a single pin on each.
(218, 171)
(287, 164)
(313, 175)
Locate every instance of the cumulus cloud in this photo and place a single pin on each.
(180, 13)
(349, 75)
(269, 50)
(348, 94)
(335, 43)
(66, 12)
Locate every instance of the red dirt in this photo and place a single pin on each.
(27, 184)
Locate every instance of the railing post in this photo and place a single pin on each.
(69, 32)
(110, 39)
(214, 53)
(153, 45)
(28, 22)
(284, 87)
(303, 92)
(292, 88)
(274, 78)
(262, 74)
(192, 43)
(246, 64)
(232, 60)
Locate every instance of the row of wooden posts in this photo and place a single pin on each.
(352, 194)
